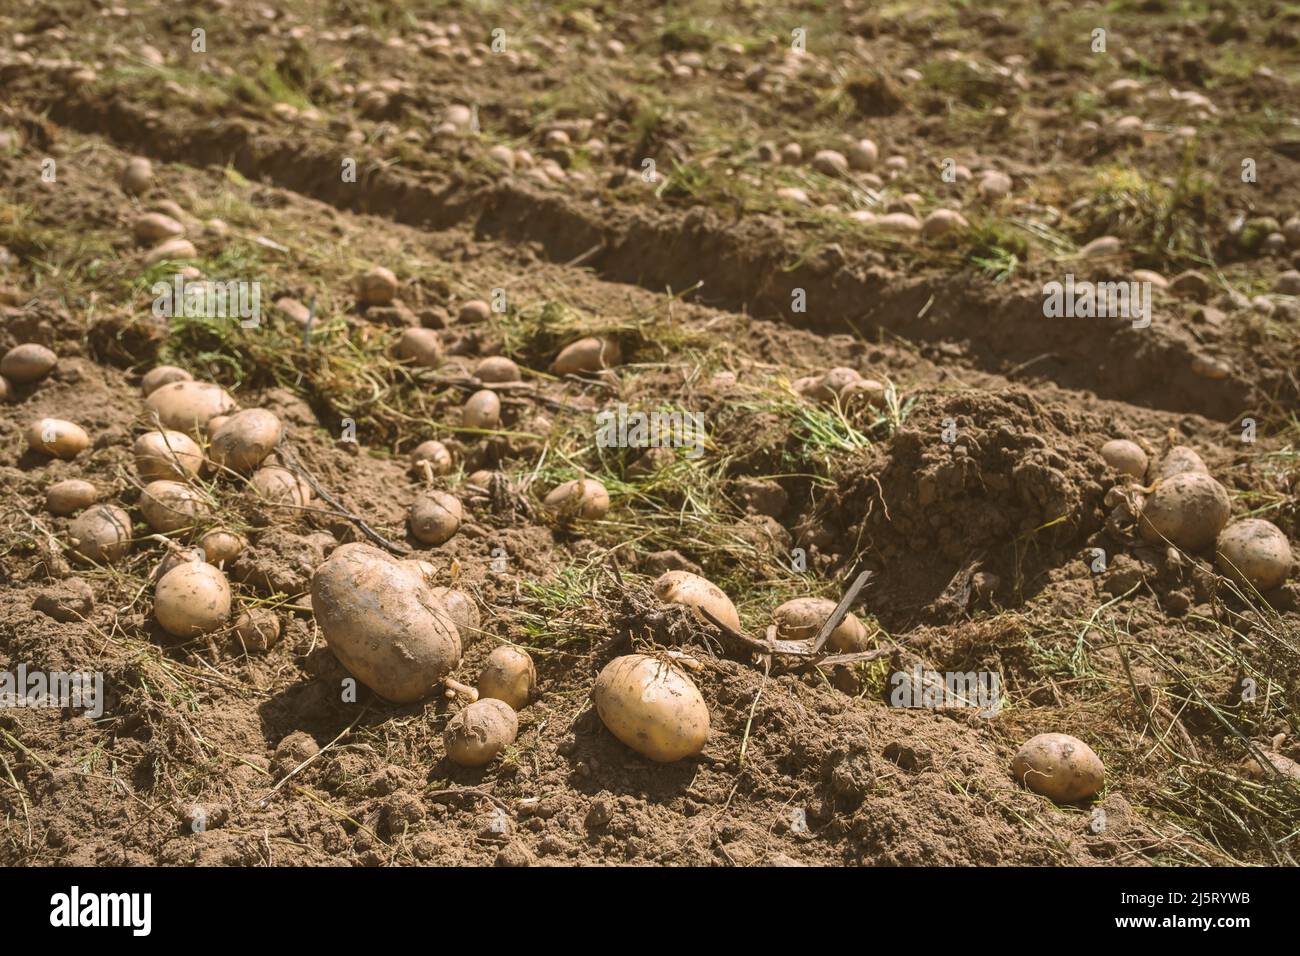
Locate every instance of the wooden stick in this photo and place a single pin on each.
(840, 611)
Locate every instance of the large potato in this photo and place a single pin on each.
(652, 707)
(1189, 510)
(802, 618)
(1059, 766)
(57, 438)
(478, 733)
(166, 455)
(587, 355)
(436, 517)
(27, 363)
(383, 623)
(1254, 551)
(188, 406)
(169, 506)
(509, 675)
(192, 598)
(102, 534)
(584, 498)
(245, 439)
(693, 591)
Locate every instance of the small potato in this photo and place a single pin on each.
(174, 249)
(478, 733)
(1059, 766)
(166, 455)
(57, 438)
(258, 629)
(802, 618)
(864, 390)
(586, 356)
(169, 506)
(436, 517)
(191, 599)
(1181, 459)
(481, 478)
(482, 410)
(137, 175)
(189, 406)
(1188, 510)
(377, 287)
(221, 546)
(584, 498)
(156, 378)
(245, 439)
(497, 368)
(693, 591)
(155, 226)
(435, 453)
(421, 346)
(1126, 457)
(6, 390)
(70, 496)
(508, 675)
(101, 534)
(463, 612)
(1255, 552)
(27, 363)
(652, 707)
(279, 486)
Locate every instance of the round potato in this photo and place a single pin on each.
(1188, 510)
(245, 439)
(652, 707)
(1255, 552)
(57, 438)
(383, 623)
(188, 406)
(497, 368)
(436, 517)
(1059, 766)
(27, 363)
(586, 356)
(70, 496)
(101, 534)
(478, 733)
(166, 455)
(1179, 460)
(220, 546)
(693, 591)
(421, 346)
(1126, 457)
(508, 675)
(278, 485)
(435, 453)
(169, 506)
(584, 498)
(378, 286)
(156, 378)
(802, 618)
(463, 612)
(482, 410)
(191, 599)
(257, 629)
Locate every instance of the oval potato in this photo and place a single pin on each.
(652, 707)
(435, 453)
(509, 675)
(435, 517)
(245, 439)
(27, 363)
(482, 410)
(70, 496)
(587, 355)
(57, 438)
(584, 498)
(1126, 457)
(101, 534)
(191, 599)
(161, 375)
(693, 591)
(169, 506)
(1059, 766)
(1189, 510)
(168, 455)
(801, 619)
(1254, 551)
(279, 486)
(188, 406)
(478, 733)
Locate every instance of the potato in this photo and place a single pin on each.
(156, 378)
(481, 478)
(188, 406)
(436, 517)
(383, 623)
(435, 453)
(279, 486)
(1188, 510)
(377, 287)
(1126, 457)
(1179, 460)
(482, 410)
(508, 675)
(137, 175)
(497, 368)
(421, 346)
(801, 619)
(70, 496)
(1254, 551)
(6, 390)
(587, 355)
(169, 506)
(220, 546)
(191, 599)
(166, 455)
(257, 629)
(214, 424)
(154, 226)
(57, 438)
(174, 558)
(1059, 766)
(478, 733)
(652, 707)
(27, 363)
(463, 612)
(693, 591)
(175, 249)
(102, 534)
(584, 498)
(866, 390)
(245, 439)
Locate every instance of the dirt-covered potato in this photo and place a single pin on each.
(435, 453)
(1126, 457)
(693, 591)
(101, 534)
(420, 346)
(478, 733)
(652, 707)
(257, 629)
(280, 486)
(509, 675)
(70, 496)
(57, 438)
(497, 368)
(383, 623)
(27, 363)
(378, 286)
(482, 410)
(169, 506)
(1255, 552)
(245, 439)
(221, 546)
(192, 598)
(169, 455)
(1059, 766)
(463, 612)
(801, 619)
(436, 517)
(188, 406)
(1179, 460)
(1188, 510)
(587, 355)
(584, 498)
(161, 375)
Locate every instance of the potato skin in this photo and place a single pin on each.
(192, 598)
(101, 534)
(1189, 509)
(1254, 551)
(584, 498)
(1059, 766)
(57, 438)
(508, 675)
(693, 591)
(188, 406)
(166, 455)
(1126, 457)
(801, 619)
(652, 707)
(478, 733)
(245, 439)
(383, 623)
